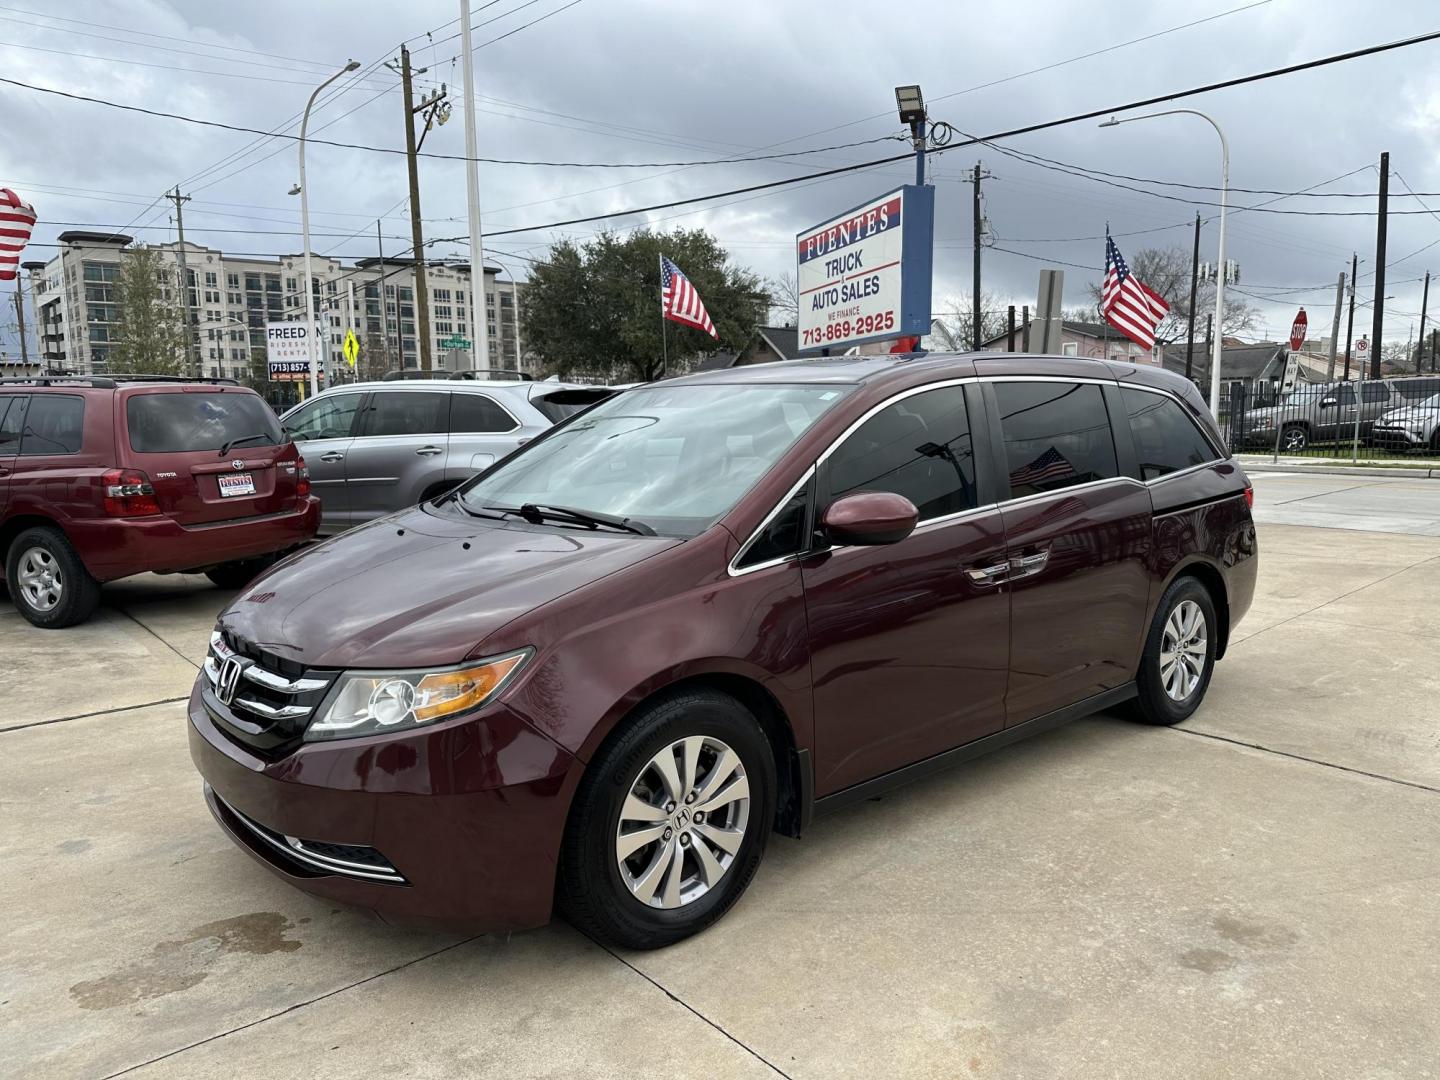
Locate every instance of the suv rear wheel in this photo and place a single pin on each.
(48, 583)
(1294, 438)
(670, 822)
(1179, 655)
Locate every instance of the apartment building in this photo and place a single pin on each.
(232, 297)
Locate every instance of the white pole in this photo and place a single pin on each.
(480, 350)
(310, 352)
(515, 298)
(1219, 334)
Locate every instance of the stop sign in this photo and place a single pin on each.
(1297, 331)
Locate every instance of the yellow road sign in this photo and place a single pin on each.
(351, 347)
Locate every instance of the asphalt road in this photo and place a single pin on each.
(1252, 894)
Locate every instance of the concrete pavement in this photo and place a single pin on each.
(1250, 895)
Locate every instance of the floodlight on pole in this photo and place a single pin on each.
(911, 104)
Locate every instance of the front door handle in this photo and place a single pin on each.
(429, 451)
(988, 575)
(333, 455)
(1025, 565)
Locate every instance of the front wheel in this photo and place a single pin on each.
(1179, 655)
(1294, 439)
(670, 822)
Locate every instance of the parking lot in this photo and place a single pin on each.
(1252, 894)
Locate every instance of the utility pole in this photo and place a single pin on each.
(1335, 326)
(1350, 319)
(1209, 337)
(1025, 328)
(20, 325)
(1379, 320)
(975, 302)
(1194, 285)
(1424, 303)
(431, 106)
(192, 357)
(1434, 349)
(380, 290)
(1010, 330)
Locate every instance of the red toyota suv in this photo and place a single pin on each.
(605, 669)
(101, 478)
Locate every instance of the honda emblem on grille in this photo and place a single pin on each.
(228, 679)
(237, 464)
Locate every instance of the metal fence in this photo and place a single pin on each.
(1395, 419)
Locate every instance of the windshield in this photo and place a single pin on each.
(675, 458)
(168, 423)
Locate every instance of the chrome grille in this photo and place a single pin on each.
(260, 700)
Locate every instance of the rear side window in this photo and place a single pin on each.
(55, 424)
(1374, 392)
(398, 412)
(324, 418)
(1056, 434)
(182, 422)
(476, 413)
(1166, 439)
(1417, 389)
(12, 412)
(918, 447)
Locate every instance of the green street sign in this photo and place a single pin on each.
(455, 343)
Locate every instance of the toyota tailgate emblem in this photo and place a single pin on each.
(237, 464)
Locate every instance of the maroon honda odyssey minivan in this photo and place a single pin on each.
(600, 673)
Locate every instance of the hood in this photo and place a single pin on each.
(1409, 417)
(420, 588)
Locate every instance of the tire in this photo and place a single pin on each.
(1155, 703)
(1294, 438)
(640, 903)
(1435, 441)
(48, 583)
(236, 575)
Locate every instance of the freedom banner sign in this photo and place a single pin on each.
(865, 275)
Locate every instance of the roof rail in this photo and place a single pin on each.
(475, 374)
(99, 382)
(120, 377)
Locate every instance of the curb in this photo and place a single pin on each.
(1339, 469)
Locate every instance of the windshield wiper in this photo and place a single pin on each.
(537, 512)
(225, 449)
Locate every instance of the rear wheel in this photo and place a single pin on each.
(1294, 438)
(236, 575)
(1179, 655)
(670, 822)
(48, 583)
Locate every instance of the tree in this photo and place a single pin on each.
(785, 308)
(953, 328)
(595, 308)
(1167, 272)
(150, 329)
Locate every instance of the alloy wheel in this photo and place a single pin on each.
(1183, 650)
(40, 578)
(682, 822)
(1295, 439)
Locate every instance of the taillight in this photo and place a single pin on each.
(128, 493)
(302, 478)
(1249, 496)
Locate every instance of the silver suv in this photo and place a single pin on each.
(374, 448)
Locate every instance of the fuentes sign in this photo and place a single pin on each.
(865, 275)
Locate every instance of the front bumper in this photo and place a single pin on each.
(465, 820)
(1395, 439)
(118, 547)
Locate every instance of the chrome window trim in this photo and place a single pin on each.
(733, 569)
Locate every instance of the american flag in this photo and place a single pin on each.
(1051, 465)
(679, 302)
(17, 220)
(1126, 302)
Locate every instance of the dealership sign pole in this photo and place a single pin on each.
(865, 275)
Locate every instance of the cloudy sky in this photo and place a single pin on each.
(645, 82)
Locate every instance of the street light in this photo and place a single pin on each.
(305, 231)
(515, 298)
(911, 104)
(1220, 257)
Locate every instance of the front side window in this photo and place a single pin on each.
(54, 425)
(1166, 439)
(179, 423)
(324, 418)
(675, 458)
(918, 447)
(1057, 435)
(397, 412)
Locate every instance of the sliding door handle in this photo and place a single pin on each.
(988, 575)
(1024, 565)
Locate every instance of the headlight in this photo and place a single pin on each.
(1418, 432)
(1265, 422)
(369, 702)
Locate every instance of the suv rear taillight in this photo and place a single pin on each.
(1249, 495)
(302, 478)
(128, 493)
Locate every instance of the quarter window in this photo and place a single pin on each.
(472, 413)
(1057, 435)
(12, 412)
(784, 536)
(1166, 439)
(326, 418)
(407, 413)
(918, 447)
(54, 425)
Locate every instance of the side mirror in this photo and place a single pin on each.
(869, 518)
